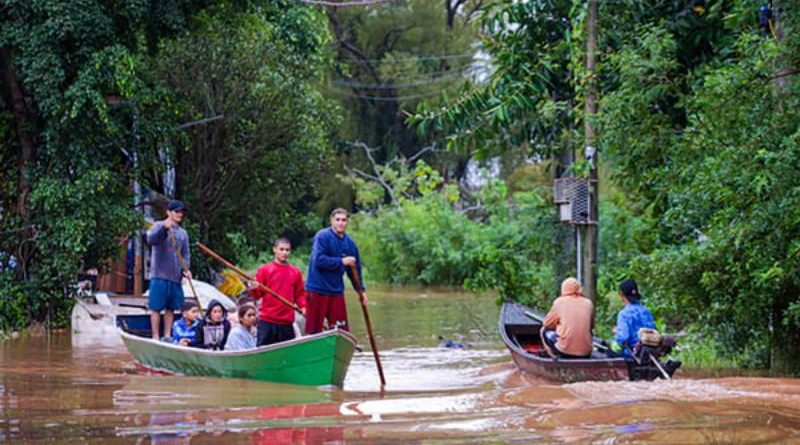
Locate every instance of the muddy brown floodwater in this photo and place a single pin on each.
(82, 388)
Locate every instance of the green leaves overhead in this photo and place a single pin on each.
(98, 92)
(527, 97)
(260, 79)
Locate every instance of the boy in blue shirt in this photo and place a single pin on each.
(184, 331)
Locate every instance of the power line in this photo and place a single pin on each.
(343, 3)
(386, 99)
(414, 59)
(389, 85)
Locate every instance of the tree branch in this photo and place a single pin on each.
(201, 121)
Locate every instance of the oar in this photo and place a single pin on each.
(244, 275)
(183, 263)
(357, 282)
(540, 319)
(85, 307)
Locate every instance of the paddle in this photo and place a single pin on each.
(540, 319)
(244, 275)
(85, 307)
(357, 282)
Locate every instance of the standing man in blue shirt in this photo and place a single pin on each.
(332, 255)
(166, 270)
(633, 316)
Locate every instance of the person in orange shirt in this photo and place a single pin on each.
(568, 325)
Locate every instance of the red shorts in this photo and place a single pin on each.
(325, 307)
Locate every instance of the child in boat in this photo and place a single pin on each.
(184, 331)
(241, 336)
(212, 333)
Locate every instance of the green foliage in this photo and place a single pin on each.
(93, 124)
(79, 211)
(389, 58)
(700, 351)
(106, 86)
(527, 99)
(397, 180)
(391, 53)
(427, 241)
(698, 126)
(251, 172)
(713, 151)
(14, 304)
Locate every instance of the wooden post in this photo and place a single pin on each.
(138, 276)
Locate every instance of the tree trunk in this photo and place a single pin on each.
(785, 341)
(23, 125)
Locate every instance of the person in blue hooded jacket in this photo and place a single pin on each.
(633, 316)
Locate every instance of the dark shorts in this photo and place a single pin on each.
(165, 294)
(269, 333)
(551, 338)
(322, 308)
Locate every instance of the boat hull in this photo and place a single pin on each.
(320, 359)
(520, 334)
(559, 371)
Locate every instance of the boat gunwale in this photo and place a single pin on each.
(547, 361)
(336, 332)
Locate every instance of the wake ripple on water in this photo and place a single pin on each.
(423, 369)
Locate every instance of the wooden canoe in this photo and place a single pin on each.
(520, 333)
(320, 359)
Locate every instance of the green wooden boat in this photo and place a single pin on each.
(320, 359)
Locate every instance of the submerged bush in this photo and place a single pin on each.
(427, 241)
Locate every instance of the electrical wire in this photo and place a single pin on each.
(414, 59)
(343, 3)
(389, 86)
(386, 99)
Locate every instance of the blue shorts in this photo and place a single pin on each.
(165, 294)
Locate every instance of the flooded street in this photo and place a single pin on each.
(76, 388)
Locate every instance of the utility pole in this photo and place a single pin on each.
(589, 232)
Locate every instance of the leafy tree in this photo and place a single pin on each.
(710, 147)
(90, 103)
(83, 124)
(528, 99)
(390, 57)
(258, 139)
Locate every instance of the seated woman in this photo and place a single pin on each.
(242, 334)
(212, 333)
(184, 331)
(568, 325)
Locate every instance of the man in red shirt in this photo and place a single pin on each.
(275, 318)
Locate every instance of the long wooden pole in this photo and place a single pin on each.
(372, 343)
(247, 277)
(183, 263)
